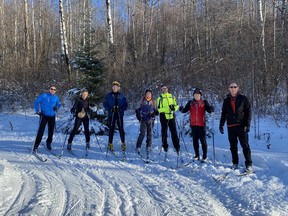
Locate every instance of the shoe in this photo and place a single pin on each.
(204, 159)
(137, 150)
(48, 146)
(69, 146)
(234, 166)
(110, 147)
(249, 169)
(35, 150)
(87, 145)
(165, 156)
(123, 146)
(196, 158)
(180, 156)
(148, 150)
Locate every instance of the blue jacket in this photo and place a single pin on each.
(47, 103)
(111, 100)
(147, 110)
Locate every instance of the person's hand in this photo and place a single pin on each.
(221, 129)
(151, 115)
(115, 109)
(247, 129)
(212, 108)
(172, 108)
(39, 113)
(156, 112)
(55, 108)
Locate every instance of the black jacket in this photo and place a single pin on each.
(242, 115)
(79, 104)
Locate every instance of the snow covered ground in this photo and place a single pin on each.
(100, 185)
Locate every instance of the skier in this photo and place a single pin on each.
(81, 110)
(167, 106)
(146, 115)
(197, 107)
(115, 103)
(49, 104)
(236, 110)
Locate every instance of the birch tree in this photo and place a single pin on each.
(64, 46)
(34, 33)
(2, 27)
(26, 33)
(109, 23)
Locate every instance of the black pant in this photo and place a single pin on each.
(199, 132)
(145, 126)
(77, 124)
(235, 133)
(171, 123)
(51, 124)
(116, 118)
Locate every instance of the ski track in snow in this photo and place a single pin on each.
(100, 185)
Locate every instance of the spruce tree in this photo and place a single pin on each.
(91, 69)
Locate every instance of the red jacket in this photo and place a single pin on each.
(197, 111)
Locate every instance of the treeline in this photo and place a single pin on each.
(143, 43)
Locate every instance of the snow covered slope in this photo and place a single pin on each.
(102, 185)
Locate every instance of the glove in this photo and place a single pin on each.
(55, 108)
(246, 129)
(172, 108)
(151, 115)
(181, 108)
(221, 129)
(138, 115)
(39, 113)
(212, 108)
(72, 111)
(156, 112)
(115, 109)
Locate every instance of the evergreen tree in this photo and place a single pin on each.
(91, 69)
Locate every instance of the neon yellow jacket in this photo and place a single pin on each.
(163, 105)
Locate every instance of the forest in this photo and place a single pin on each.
(143, 44)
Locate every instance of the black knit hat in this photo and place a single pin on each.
(148, 90)
(197, 91)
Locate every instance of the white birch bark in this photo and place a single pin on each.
(26, 32)
(64, 46)
(109, 22)
(15, 31)
(2, 27)
(262, 29)
(34, 33)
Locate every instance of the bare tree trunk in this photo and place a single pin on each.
(64, 46)
(283, 35)
(262, 28)
(109, 22)
(34, 33)
(15, 32)
(3, 44)
(274, 27)
(26, 33)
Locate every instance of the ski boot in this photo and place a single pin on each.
(123, 146)
(69, 146)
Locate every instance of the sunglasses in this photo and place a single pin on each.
(53, 89)
(233, 86)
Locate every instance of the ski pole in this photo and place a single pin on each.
(181, 135)
(112, 119)
(67, 132)
(39, 123)
(214, 155)
(94, 132)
